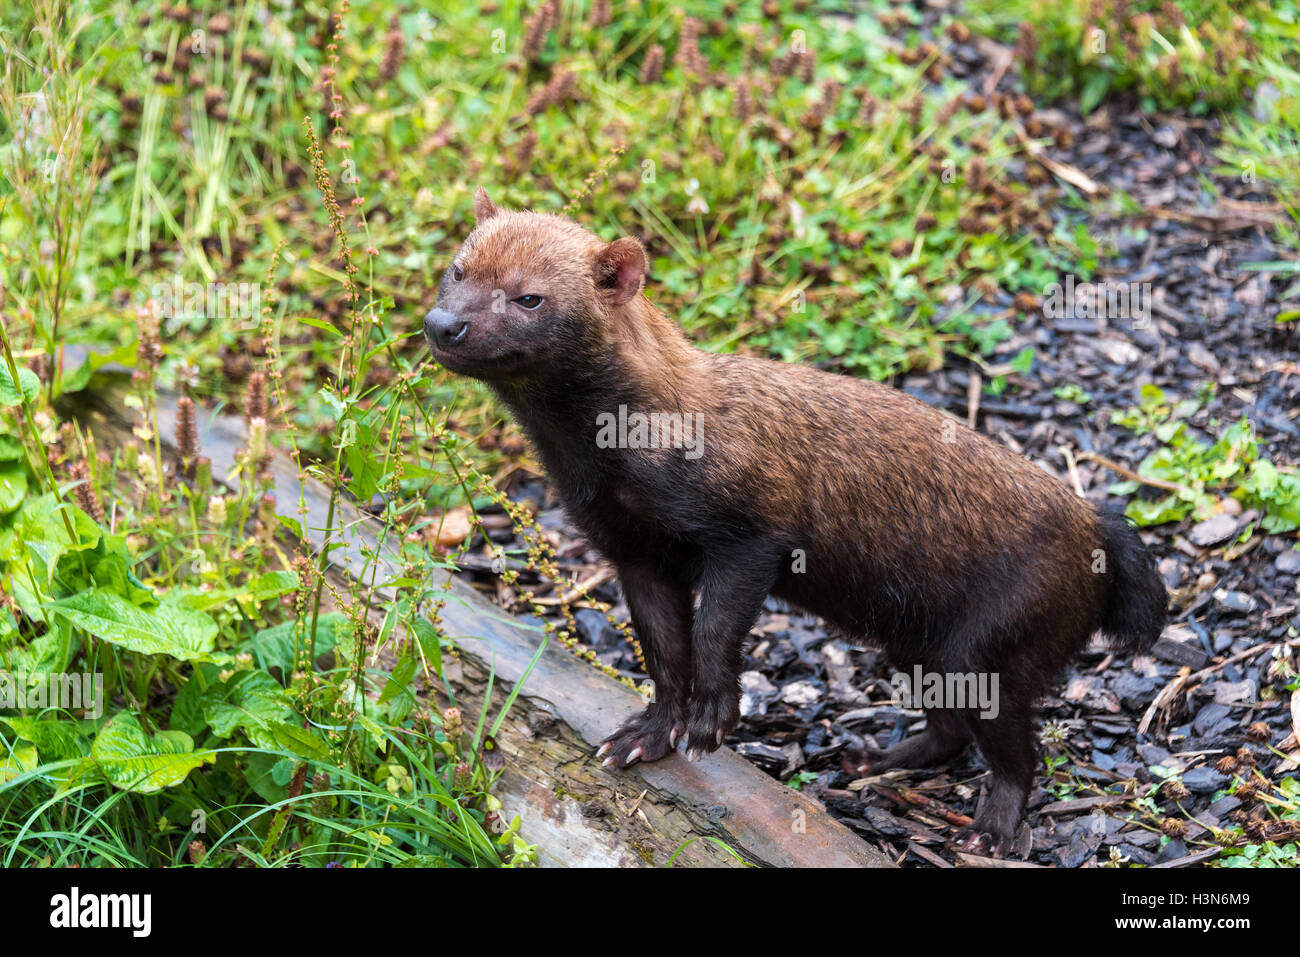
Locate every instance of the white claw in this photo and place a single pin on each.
(719, 737)
(636, 753)
(692, 755)
(604, 750)
(672, 738)
(607, 762)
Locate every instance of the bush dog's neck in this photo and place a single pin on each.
(647, 365)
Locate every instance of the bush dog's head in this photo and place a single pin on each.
(531, 297)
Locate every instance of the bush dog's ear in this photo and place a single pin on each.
(484, 208)
(620, 270)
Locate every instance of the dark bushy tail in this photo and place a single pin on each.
(1136, 603)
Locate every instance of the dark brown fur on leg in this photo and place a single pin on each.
(945, 736)
(661, 614)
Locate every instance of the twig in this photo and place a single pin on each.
(925, 854)
(1074, 471)
(906, 797)
(1127, 472)
(1191, 858)
(1171, 690)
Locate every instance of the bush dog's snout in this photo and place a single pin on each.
(444, 328)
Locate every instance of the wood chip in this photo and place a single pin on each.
(925, 854)
(974, 860)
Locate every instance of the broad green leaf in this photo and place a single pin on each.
(110, 566)
(430, 643)
(1145, 512)
(274, 647)
(292, 524)
(41, 529)
(169, 629)
(249, 700)
(202, 686)
(402, 674)
(13, 485)
(49, 654)
(198, 599)
(272, 585)
(134, 761)
(58, 740)
(78, 378)
(9, 394)
(16, 761)
(300, 741)
(11, 449)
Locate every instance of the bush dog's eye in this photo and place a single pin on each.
(529, 302)
(456, 273)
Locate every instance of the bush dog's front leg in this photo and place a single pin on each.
(737, 578)
(661, 613)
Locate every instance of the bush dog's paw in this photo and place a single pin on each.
(648, 737)
(971, 840)
(712, 719)
(861, 762)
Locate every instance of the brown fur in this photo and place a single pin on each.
(919, 534)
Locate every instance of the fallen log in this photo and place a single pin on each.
(577, 812)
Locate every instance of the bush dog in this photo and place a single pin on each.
(844, 497)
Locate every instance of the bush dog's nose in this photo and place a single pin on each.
(444, 328)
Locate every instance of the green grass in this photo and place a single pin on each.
(1263, 150)
(1198, 55)
(827, 236)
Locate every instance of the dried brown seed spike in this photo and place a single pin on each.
(187, 430)
(652, 67)
(394, 49)
(256, 404)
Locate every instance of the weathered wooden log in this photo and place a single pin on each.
(577, 812)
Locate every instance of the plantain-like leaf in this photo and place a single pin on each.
(11, 449)
(41, 529)
(271, 585)
(251, 700)
(13, 485)
(9, 390)
(274, 647)
(132, 760)
(17, 760)
(56, 740)
(169, 629)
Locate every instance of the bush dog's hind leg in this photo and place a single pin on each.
(944, 737)
(737, 578)
(661, 613)
(1007, 743)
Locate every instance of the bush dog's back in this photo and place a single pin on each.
(711, 481)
